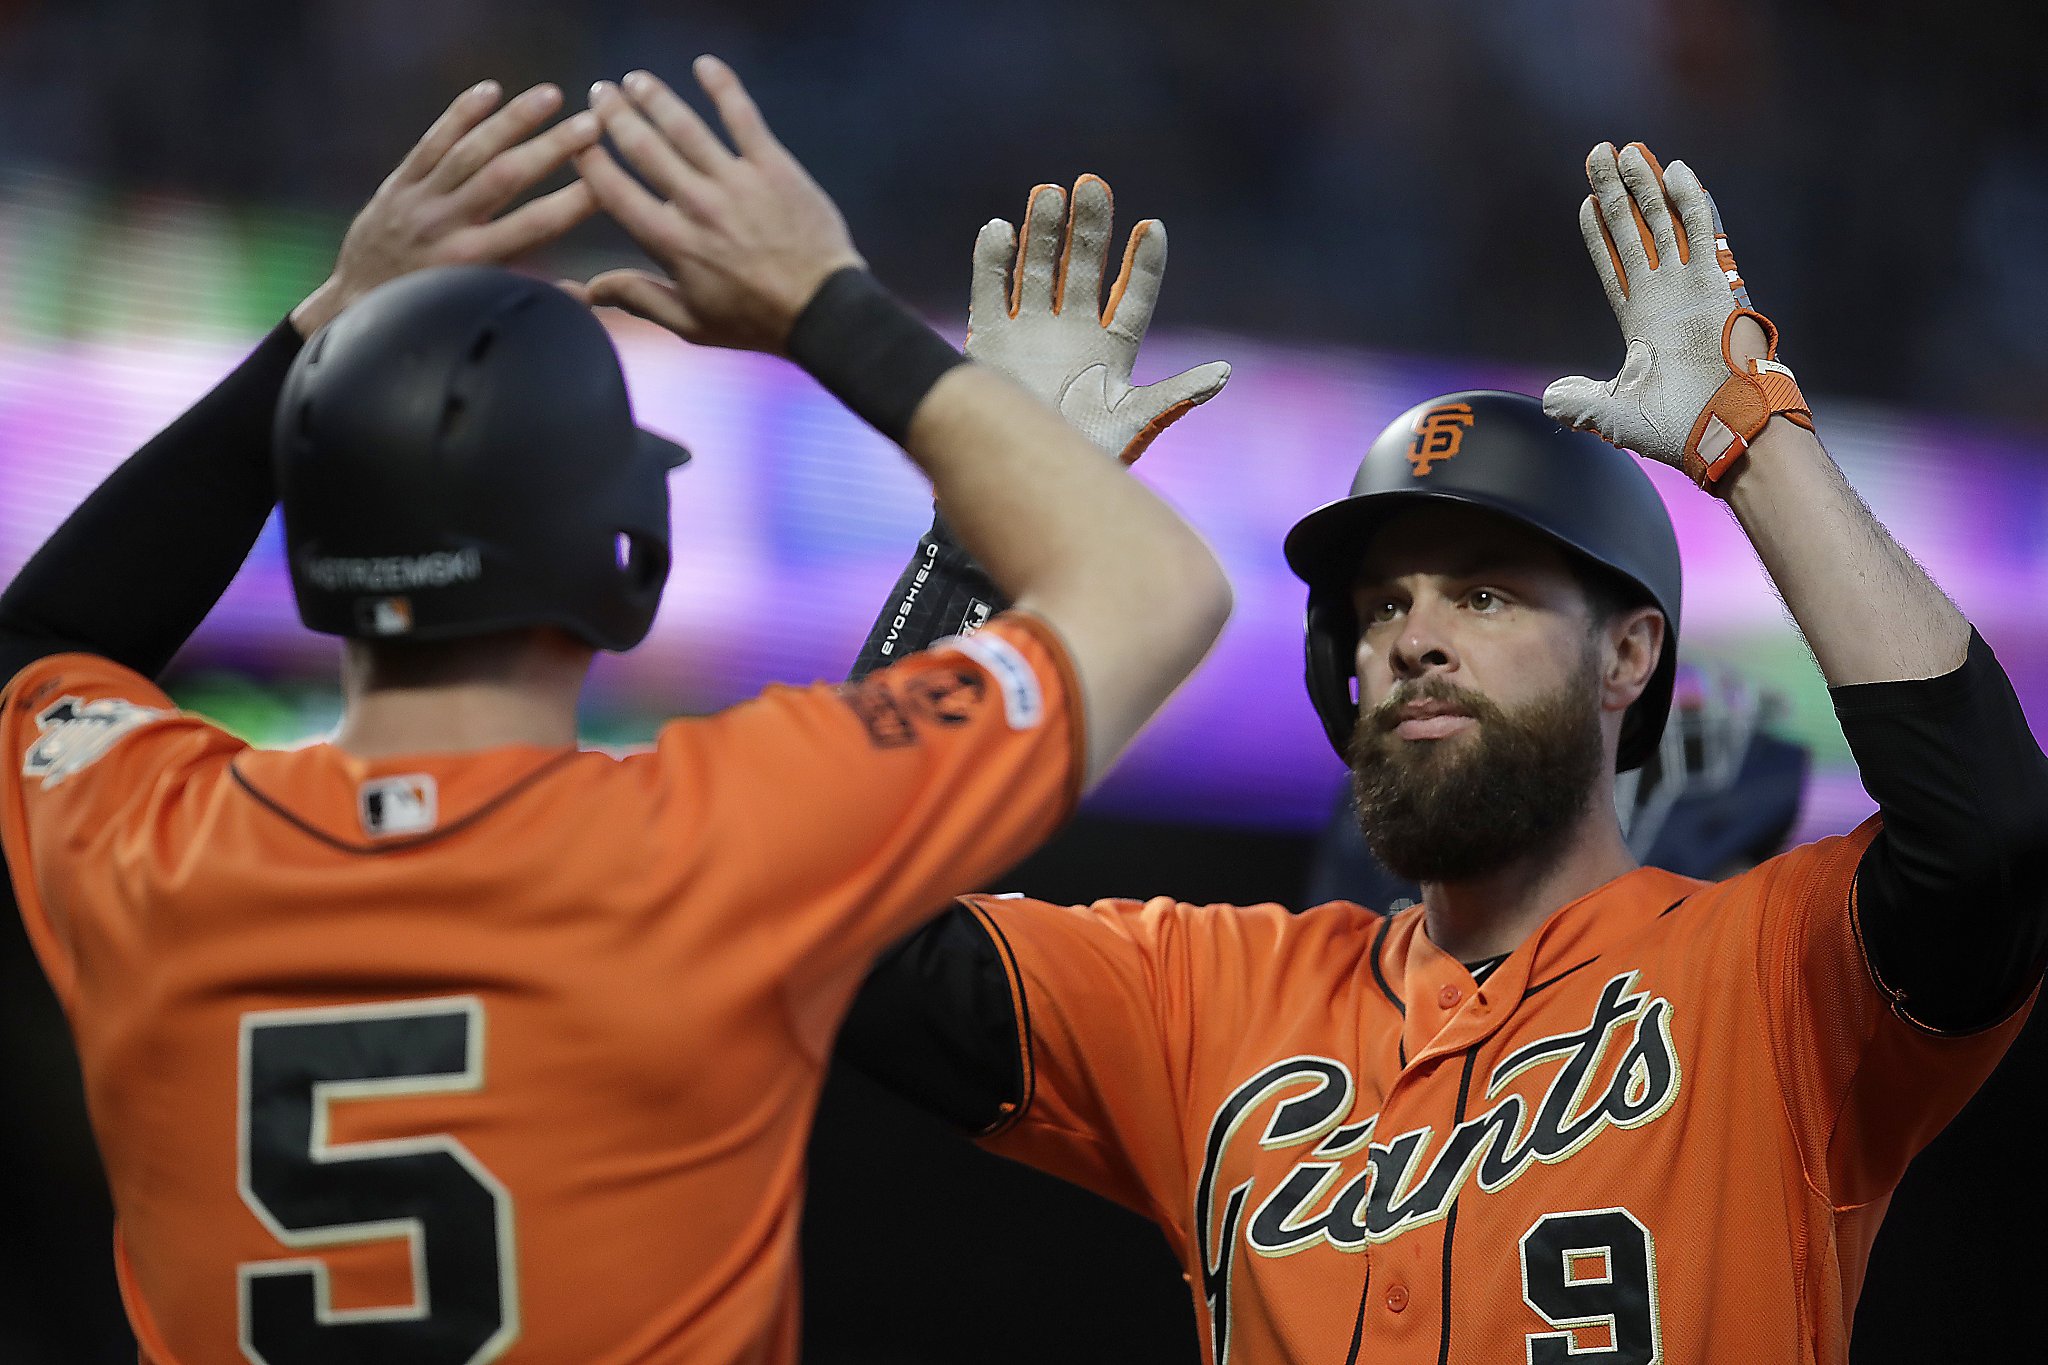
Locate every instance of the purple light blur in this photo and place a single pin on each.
(794, 519)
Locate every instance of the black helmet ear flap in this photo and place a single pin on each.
(1332, 646)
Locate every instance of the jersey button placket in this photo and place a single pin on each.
(1448, 997)
(1397, 1298)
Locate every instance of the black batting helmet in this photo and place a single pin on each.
(455, 455)
(1498, 451)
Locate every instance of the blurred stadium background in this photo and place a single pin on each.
(1369, 203)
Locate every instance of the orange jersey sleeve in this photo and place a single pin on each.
(1118, 1004)
(96, 750)
(1867, 1087)
(864, 807)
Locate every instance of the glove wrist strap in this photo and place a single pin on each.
(1742, 407)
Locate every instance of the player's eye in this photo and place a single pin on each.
(1484, 600)
(1381, 610)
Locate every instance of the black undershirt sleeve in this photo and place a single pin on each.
(941, 592)
(1952, 896)
(134, 570)
(934, 1021)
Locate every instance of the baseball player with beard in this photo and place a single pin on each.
(1568, 1108)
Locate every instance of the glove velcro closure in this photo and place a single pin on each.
(1733, 272)
(1743, 405)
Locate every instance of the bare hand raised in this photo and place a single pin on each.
(440, 206)
(744, 238)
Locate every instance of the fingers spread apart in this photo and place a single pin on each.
(466, 111)
(530, 225)
(518, 168)
(685, 129)
(509, 126)
(646, 149)
(1625, 242)
(648, 221)
(736, 109)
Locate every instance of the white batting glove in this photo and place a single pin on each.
(1036, 315)
(1681, 397)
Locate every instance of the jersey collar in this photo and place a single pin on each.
(1444, 1011)
(326, 792)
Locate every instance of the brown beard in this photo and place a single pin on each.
(1447, 811)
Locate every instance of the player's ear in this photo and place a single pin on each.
(1631, 644)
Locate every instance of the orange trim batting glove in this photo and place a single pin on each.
(1681, 398)
(1037, 315)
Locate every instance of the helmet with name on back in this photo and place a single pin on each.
(455, 456)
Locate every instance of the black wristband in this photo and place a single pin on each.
(869, 351)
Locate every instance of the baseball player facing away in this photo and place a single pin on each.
(444, 1041)
(1568, 1108)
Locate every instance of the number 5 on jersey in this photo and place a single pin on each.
(454, 1214)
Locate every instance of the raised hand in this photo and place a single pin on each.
(442, 205)
(745, 237)
(1698, 381)
(1036, 314)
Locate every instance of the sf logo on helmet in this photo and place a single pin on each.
(1438, 434)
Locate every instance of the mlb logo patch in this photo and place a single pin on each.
(385, 615)
(398, 805)
(977, 616)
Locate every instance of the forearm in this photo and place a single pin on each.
(1135, 593)
(1952, 897)
(941, 592)
(1868, 611)
(132, 572)
(1701, 391)
(1030, 498)
(1131, 590)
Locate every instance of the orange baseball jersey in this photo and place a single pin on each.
(504, 1056)
(1663, 1129)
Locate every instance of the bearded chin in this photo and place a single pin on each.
(1454, 810)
